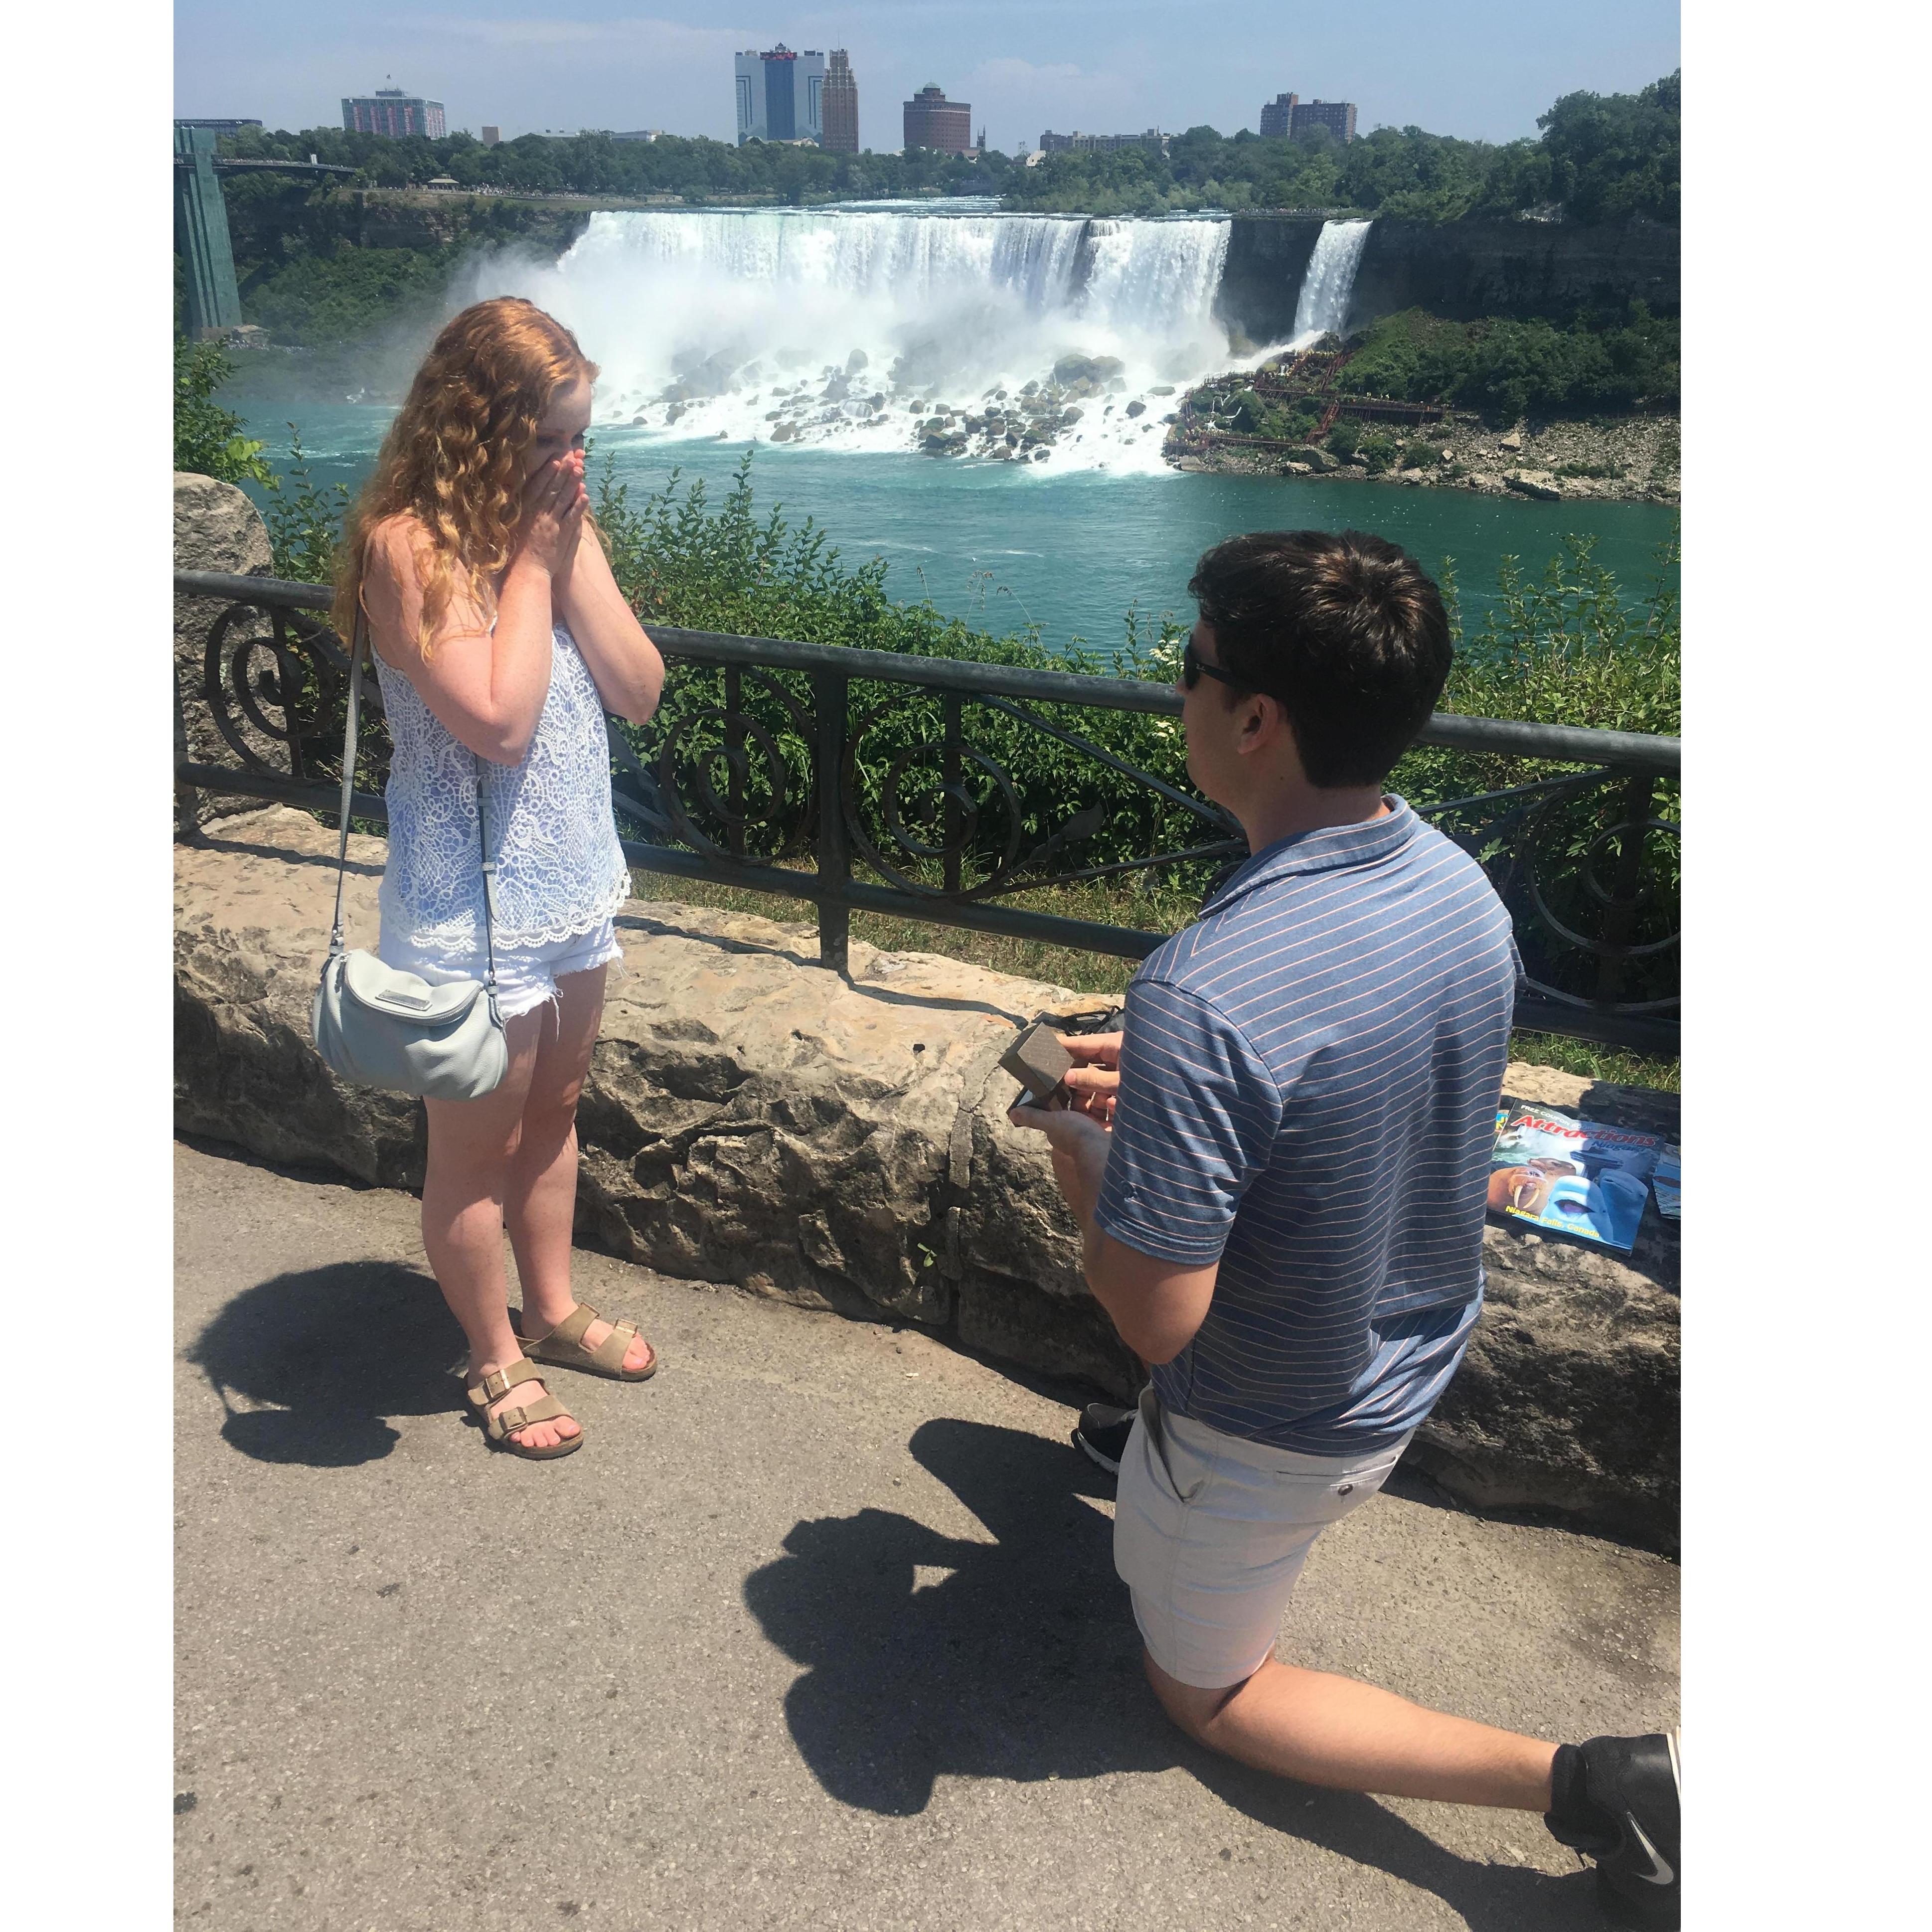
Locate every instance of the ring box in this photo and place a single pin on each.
(1038, 1061)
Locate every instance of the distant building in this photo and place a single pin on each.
(1078, 143)
(1277, 116)
(491, 135)
(638, 134)
(1337, 116)
(841, 105)
(780, 94)
(932, 120)
(391, 111)
(219, 127)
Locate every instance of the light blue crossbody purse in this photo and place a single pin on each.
(377, 1026)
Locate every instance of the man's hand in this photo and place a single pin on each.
(1156, 1305)
(1078, 1143)
(1093, 1080)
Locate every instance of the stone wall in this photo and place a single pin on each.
(1460, 269)
(842, 1143)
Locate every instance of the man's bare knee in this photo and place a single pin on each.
(1194, 1710)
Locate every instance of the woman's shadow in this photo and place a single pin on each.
(333, 1352)
(1020, 1659)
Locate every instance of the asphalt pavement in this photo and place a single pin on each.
(819, 1629)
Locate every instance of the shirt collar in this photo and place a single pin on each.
(1329, 848)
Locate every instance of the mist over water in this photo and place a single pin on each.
(832, 325)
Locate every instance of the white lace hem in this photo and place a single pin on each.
(464, 937)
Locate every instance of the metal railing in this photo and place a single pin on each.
(867, 781)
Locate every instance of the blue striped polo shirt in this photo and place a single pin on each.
(1309, 1081)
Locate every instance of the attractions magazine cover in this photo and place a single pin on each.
(1578, 1177)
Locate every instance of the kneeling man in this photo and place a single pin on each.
(1280, 1166)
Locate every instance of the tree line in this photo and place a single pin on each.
(696, 169)
(1599, 158)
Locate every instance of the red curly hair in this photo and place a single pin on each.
(453, 457)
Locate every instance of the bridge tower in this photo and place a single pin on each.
(201, 234)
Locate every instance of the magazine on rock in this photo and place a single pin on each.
(1578, 1177)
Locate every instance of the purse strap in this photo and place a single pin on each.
(336, 941)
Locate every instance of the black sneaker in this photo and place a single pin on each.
(1616, 1800)
(1102, 1432)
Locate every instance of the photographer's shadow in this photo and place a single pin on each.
(333, 1352)
(1022, 1662)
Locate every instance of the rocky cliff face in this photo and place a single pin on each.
(843, 1143)
(1461, 269)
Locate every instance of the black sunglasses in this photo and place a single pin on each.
(1193, 667)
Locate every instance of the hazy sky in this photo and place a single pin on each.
(1479, 68)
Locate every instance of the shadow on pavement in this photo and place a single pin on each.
(334, 1350)
(1021, 1661)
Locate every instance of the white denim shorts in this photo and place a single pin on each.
(526, 979)
(1210, 1533)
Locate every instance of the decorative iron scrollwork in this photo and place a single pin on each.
(940, 827)
(1546, 859)
(723, 781)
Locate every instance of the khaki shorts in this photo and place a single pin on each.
(1210, 1533)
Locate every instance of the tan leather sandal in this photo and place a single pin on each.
(497, 1384)
(563, 1346)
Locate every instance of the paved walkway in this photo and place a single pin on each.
(819, 1629)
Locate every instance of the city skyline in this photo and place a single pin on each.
(1483, 69)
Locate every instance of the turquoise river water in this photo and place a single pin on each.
(1070, 551)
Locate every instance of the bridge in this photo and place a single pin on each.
(201, 224)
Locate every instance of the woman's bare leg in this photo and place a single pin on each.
(473, 1144)
(540, 1197)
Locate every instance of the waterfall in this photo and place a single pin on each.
(826, 328)
(1328, 281)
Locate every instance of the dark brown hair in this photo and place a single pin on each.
(1344, 632)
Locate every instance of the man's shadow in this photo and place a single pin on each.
(334, 1351)
(1021, 1661)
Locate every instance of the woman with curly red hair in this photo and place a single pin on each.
(501, 639)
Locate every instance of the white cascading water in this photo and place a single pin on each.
(741, 323)
(1327, 283)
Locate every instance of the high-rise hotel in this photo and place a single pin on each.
(780, 95)
(841, 106)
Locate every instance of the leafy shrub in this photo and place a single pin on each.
(1346, 437)
(1378, 448)
(208, 440)
(1419, 453)
(1510, 369)
(305, 523)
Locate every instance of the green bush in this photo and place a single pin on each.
(304, 523)
(344, 297)
(1344, 438)
(1419, 453)
(1509, 370)
(1378, 448)
(208, 440)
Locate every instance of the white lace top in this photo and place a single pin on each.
(560, 869)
